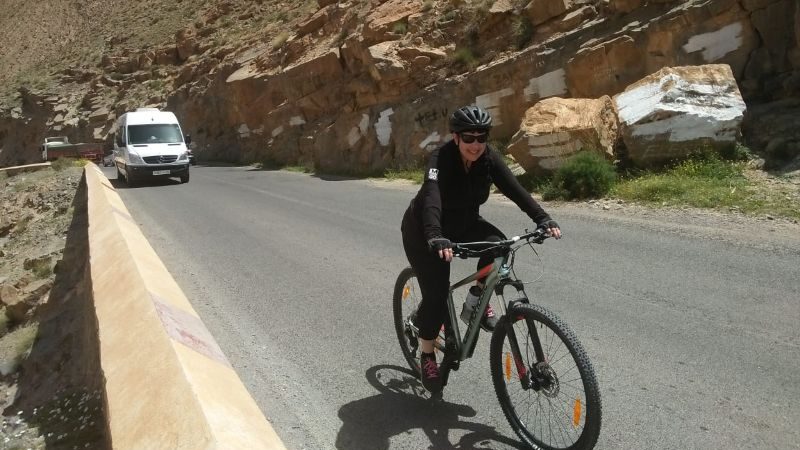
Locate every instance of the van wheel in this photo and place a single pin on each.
(185, 178)
(119, 174)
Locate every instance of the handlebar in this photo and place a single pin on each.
(475, 249)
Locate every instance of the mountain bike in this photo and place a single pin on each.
(542, 376)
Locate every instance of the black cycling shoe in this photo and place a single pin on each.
(429, 372)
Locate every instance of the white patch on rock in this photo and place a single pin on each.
(685, 112)
(548, 85)
(244, 130)
(277, 131)
(296, 120)
(358, 131)
(716, 44)
(383, 127)
(259, 130)
(353, 136)
(553, 144)
(491, 103)
(432, 138)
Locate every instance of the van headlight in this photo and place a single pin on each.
(183, 156)
(133, 158)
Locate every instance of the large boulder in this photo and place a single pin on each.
(556, 128)
(678, 111)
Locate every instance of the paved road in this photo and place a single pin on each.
(694, 341)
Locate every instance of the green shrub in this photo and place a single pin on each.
(4, 321)
(465, 56)
(522, 31)
(15, 347)
(279, 40)
(584, 175)
(736, 152)
(534, 183)
(62, 163)
(400, 27)
(42, 271)
(706, 165)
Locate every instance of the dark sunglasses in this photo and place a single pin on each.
(470, 138)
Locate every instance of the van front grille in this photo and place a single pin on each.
(160, 159)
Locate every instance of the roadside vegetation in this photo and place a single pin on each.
(15, 345)
(705, 180)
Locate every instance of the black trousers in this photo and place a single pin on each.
(433, 273)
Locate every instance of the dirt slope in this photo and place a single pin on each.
(50, 388)
(41, 38)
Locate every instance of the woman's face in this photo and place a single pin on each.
(471, 151)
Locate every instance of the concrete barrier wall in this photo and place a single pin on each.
(168, 384)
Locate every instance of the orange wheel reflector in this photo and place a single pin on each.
(406, 292)
(508, 366)
(576, 413)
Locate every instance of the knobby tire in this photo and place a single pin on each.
(573, 397)
(410, 350)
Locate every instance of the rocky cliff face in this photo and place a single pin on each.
(362, 86)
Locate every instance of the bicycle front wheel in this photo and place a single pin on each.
(544, 381)
(405, 302)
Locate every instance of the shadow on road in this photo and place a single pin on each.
(121, 184)
(402, 405)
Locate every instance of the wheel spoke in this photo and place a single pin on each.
(552, 413)
(405, 303)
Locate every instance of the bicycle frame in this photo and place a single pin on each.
(497, 277)
(525, 339)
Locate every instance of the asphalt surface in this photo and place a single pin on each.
(695, 341)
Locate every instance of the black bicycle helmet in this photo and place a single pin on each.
(470, 118)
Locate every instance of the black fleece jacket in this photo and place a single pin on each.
(449, 200)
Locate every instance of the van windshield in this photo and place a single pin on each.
(154, 134)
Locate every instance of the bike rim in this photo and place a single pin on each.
(552, 406)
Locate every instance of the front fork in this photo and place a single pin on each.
(529, 376)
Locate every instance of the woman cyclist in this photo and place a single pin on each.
(446, 209)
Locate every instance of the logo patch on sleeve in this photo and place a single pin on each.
(433, 174)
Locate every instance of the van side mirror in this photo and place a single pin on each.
(188, 139)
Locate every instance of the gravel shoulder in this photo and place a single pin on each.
(764, 232)
(735, 228)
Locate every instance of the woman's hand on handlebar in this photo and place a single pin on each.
(551, 227)
(443, 247)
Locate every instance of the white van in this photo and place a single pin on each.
(149, 143)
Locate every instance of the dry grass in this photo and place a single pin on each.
(14, 347)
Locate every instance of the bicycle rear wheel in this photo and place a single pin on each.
(405, 302)
(544, 381)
